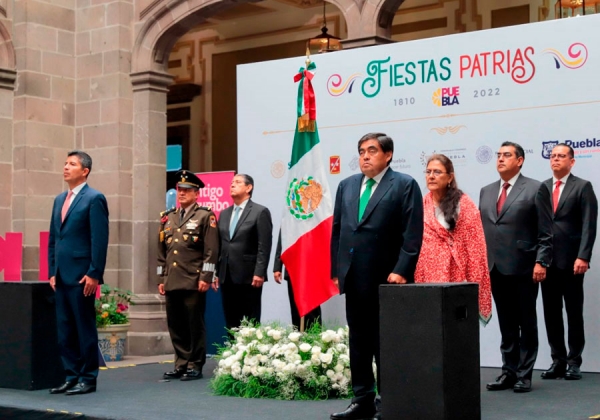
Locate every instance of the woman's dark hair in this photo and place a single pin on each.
(449, 204)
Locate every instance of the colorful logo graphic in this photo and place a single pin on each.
(484, 154)
(547, 147)
(446, 96)
(334, 165)
(578, 55)
(303, 197)
(442, 131)
(336, 86)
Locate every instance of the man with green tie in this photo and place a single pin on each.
(376, 239)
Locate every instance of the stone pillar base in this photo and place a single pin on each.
(149, 344)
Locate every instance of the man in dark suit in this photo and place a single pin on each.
(376, 239)
(246, 233)
(76, 259)
(311, 317)
(188, 250)
(574, 231)
(517, 223)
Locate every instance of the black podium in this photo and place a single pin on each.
(430, 351)
(29, 357)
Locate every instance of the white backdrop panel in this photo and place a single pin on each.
(531, 84)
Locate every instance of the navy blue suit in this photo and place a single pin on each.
(77, 247)
(363, 254)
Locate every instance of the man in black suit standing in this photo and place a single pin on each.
(517, 223)
(376, 239)
(77, 250)
(575, 210)
(246, 233)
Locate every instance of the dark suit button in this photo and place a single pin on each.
(351, 250)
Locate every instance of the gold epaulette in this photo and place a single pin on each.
(166, 212)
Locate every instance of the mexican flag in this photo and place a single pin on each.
(308, 212)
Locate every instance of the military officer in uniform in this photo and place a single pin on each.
(187, 253)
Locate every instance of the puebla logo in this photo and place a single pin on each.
(303, 197)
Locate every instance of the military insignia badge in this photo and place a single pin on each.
(161, 235)
(213, 222)
(195, 238)
(185, 237)
(169, 239)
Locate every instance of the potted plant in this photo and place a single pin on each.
(112, 321)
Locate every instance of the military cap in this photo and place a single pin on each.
(187, 179)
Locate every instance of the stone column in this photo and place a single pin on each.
(7, 84)
(148, 335)
(44, 113)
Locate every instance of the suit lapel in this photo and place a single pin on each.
(76, 200)
(354, 198)
(567, 190)
(380, 191)
(243, 217)
(516, 190)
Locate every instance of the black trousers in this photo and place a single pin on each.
(559, 285)
(77, 333)
(309, 318)
(185, 319)
(362, 314)
(515, 298)
(239, 301)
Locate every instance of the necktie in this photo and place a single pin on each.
(555, 195)
(364, 198)
(65, 206)
(502, 198)
(236, 214)
(182, 216)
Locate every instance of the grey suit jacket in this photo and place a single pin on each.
(522, 233)
(574, 223)
(247, 253)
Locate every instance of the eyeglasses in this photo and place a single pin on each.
(505, 155)
(434, 172)
(558, 156)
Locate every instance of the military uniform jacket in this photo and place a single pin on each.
(188, 249)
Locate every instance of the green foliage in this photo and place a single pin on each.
(112, 306)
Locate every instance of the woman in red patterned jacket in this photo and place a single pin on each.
(453, 247)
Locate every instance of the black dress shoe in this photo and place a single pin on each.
(573, 373)
(81, 388)
(64, 387)
(504, 381)
(191, 375)
(174, 374)
(522, 385)
(557, 370)
(356, 412)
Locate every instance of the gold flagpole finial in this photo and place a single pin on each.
(307, 57)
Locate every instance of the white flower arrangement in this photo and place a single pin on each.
(270, 361)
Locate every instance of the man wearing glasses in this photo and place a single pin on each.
(575, 211)
(517, 223)
(376, 239)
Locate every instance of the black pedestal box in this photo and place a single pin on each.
(29, 357)
(430, 351)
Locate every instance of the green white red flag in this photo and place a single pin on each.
(308, 214)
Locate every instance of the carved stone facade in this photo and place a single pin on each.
(94, 74)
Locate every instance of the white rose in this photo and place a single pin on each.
(259, 335)
(305, 347)
(105, 306)
(316, 350)
(226, 354)
(276, 335)
(339, 368)
(295, 336)
(330, 373)
(315, 359)
(326, 357)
